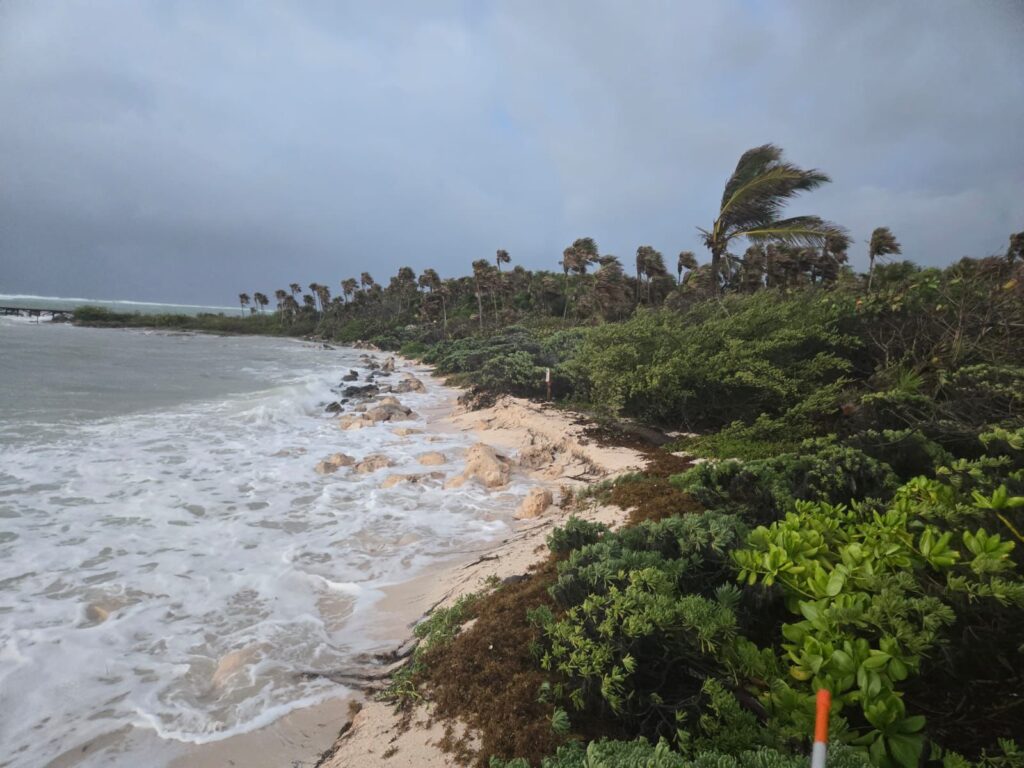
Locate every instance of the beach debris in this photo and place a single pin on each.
(373, 462)
(484, 465)
(535, 504)
(333, 463)
(432, 459)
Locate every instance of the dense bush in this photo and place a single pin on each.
(720, 362)
(820, 470)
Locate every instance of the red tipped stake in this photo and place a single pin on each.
(824, 706)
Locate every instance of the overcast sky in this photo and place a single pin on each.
(186, 151)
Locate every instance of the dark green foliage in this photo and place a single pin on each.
(821, 470)
(575, 534)
(720, 362)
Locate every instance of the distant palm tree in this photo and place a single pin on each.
(1016, 249)
(261, 300)
(686, 261)
(752, 204)
(481, 268)
(501, 257)
(243, 300)
(649, 264)
(349, 287)
(295, 288)
(280, 296)
(366, 281)
(883, 243)
(586, 253)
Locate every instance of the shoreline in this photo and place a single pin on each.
(548, 447)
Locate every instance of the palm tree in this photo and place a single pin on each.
(481, 267)
(314, 290)
(752, 204)
(429, 280)
(1016, 249)
(348, 287)
(260, 299)
(280, 295)
(649, 264)
(883, 243)
(367, 281)
(686, 261)
(324, 294)
(295, 288)
(586, 253)
(243, 300)
(501, 257)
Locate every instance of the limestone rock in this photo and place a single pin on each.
(354, 422)
(389, 365)
(432, 459)
(333, 463)
(389, 413)
(390, 400)
(373, 462)
(535, 503)
(411, 384)
(392, 480)
(484, 465)
(406, 431)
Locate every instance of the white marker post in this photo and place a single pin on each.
(547, 380)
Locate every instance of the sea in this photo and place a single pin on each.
(173, 572)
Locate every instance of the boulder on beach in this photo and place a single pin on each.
(389, 365)
(354, 422)
(411, 384)
(366, 390)
(484, 465)
(392, 480)
(389, 413)
(334, 407)
(390, 400)
(351, 376)
(535, 504)
(406, 431)
(373, 462)
(333, 463)
(432, 459)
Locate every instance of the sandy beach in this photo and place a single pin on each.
(548, 446)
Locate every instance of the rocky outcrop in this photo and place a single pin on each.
(535, 504)
(333, 463)
(334, 407)
(373, 462)
(484, 465)
(366, 390)
(432, 459)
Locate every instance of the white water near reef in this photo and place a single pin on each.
(169, 560)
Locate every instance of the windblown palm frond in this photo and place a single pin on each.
(754, 198)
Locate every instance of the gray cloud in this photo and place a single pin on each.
(189, 150)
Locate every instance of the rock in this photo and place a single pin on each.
(392, 480)
(389, 413)
(535, 503)
(373, 462)
(485, 466)
(432, 459)
(390, 400)
(411, 384)
(354, 422)
(406, 431)
(366, 390)
(361, 408)
(334, 407)
(333, 463)
(351, 376)
(96, 613)
(389, 365)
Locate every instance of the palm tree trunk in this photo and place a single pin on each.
(716, 267)
(480, 309)
(871, 270)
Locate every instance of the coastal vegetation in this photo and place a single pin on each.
(858, 524)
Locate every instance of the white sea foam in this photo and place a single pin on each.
(179, 570)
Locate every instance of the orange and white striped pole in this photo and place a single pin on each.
(820, 748)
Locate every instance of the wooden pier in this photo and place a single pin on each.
(55, 315)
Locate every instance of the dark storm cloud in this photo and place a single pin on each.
(189, 150)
